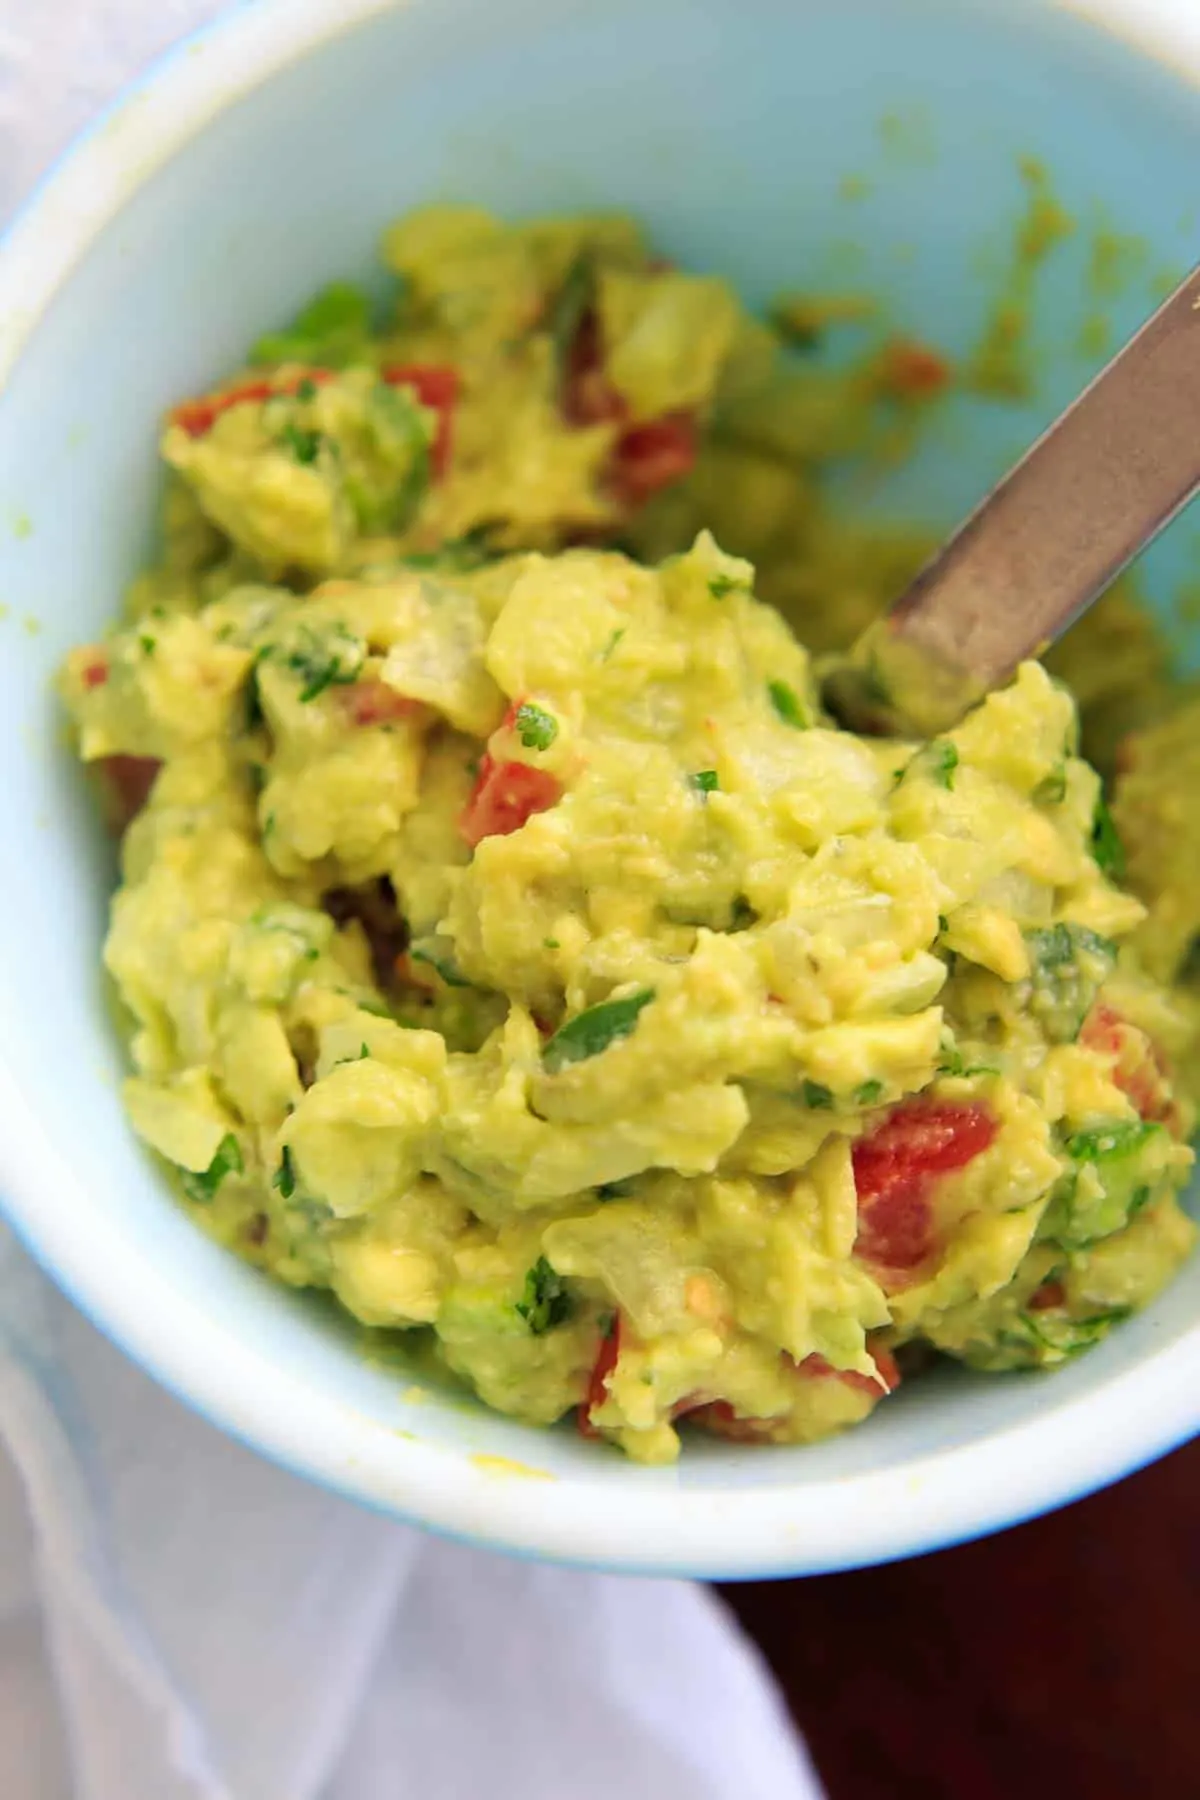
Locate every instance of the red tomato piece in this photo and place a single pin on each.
(1140, 1070)
(199, 416)
(912, 371)
(95, 673)
(1051, 1293)
(606, 1361)
(375, 703)
(650, 457)
(127, 781)
(895, 1170)
(437, 388)
(505, 795)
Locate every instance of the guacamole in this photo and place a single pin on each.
(509, 943)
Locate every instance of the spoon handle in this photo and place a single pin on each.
(1098, 486)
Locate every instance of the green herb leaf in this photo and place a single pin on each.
(721, 586)
(706, 781)
(1106, 1143)
(612, 643)
(943, 759)
(226, 1161)
(306, 390)
(817, 1096)
(869, 1093)
(305, 446)
(320, 659)
(545, 1302)
(591, 1032)
(536, 728)
(551, 944)
(1107, 849)
(788, 705)
(149, 645)
(284, 1177)
(332, 331)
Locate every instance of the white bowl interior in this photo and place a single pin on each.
(728, 128)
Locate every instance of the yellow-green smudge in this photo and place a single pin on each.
(1002, 365)
(505, 1466)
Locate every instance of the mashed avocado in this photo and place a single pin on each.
(509, 943)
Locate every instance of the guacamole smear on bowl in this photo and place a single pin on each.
(510, 944)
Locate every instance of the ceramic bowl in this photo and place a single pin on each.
(871, 143)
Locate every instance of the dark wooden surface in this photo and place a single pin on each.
(1058, 1661)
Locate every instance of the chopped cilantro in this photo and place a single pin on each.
(816, 1096)
(284, 1177)
(788, 705)
(1105, 1142)
(943, 761)
(536, 728)
(305, 446)
(226, 1161)
(1107, 849)
(591, 1032)
(332, 331)
(721, 586)
(612, 643)
(869, 1093)
(551, 944)
(544, 1302)
(321, 659)
(307, 389)
(706, 781)
(149, 645)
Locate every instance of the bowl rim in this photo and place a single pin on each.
(648, 1523)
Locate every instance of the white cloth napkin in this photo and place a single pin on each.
(181, 1621)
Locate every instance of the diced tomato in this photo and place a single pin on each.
(895, 1170)
(1140, 1070)
(646, 457)
(885, 1363)
(1051, 1293)
(597, 1393)
(94, 674)
(437, 388)
(505, 795)
(126, 781)
(588, 397)
(650, 457)
(375, 703)
(912, 371)
(199, 416)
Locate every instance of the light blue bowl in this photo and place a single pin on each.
(259, 161)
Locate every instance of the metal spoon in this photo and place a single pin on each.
(1093, 491)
